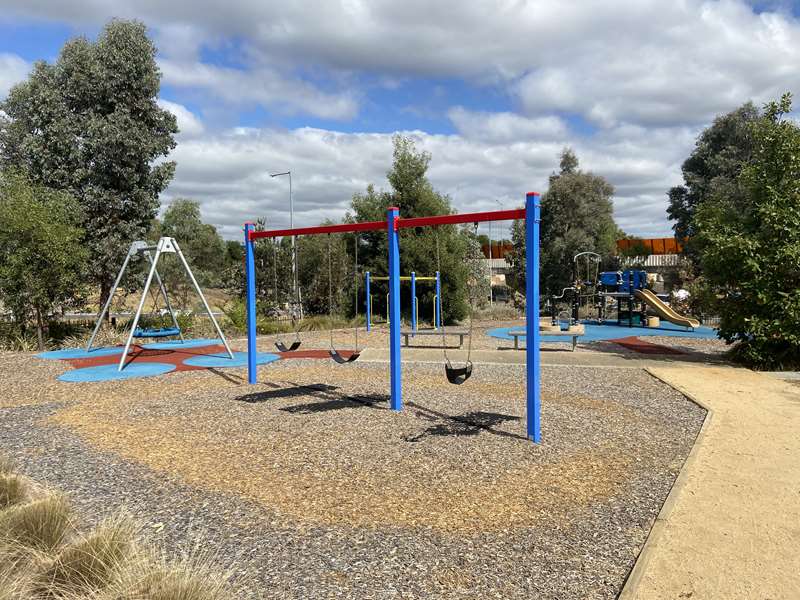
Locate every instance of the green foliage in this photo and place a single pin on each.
(42, 259)
(750, 245)
(577, 216)
(201, 245)
(413, 194)
(712, 169)
(89, 125)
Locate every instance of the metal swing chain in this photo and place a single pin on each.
(441, 312)
(471, 306)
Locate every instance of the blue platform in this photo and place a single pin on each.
(222, 360)
(110, 373)
(178, 344)
(596, 332)
(79, 353)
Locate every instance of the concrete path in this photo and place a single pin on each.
(731, 525)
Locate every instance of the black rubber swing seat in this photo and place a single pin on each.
(341, 359)
(156, 333)
(282, 347)
(458, 375)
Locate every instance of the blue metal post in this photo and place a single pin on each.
(437, 310)
(413, 301)
(396, 402)
(532, 218)
(250, 279)
(368, 302)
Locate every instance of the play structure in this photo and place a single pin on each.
(413, 279)
(141, 249)
(392, 225)
(626, 291)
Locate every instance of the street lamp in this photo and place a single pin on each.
(491, 255)
(294, 249)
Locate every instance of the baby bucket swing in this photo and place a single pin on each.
(455, 375)
(335, 354)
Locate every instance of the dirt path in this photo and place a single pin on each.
(730, 526)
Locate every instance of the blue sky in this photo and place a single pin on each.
(494, 90)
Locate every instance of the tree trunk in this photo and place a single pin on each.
(39, 329)
(105, 291)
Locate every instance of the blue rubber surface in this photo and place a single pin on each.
(110, 372)
(222, 360)
(79, 353)
(177, 344)
(611, 331)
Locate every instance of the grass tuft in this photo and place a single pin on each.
(157, 578)
(13, 490)
(7, 465)
(88, 564)
(40, 524)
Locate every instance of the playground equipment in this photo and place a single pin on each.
(663, 310)
(630, 287)
(414, 279)
(335, 354)
(165, 245)
(455, 375)
(295, 309)
(392, 225)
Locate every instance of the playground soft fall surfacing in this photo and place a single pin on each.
(335, 495)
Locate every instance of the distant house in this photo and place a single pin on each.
(660, 257)
(495, 263)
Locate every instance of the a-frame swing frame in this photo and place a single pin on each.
(165, 245)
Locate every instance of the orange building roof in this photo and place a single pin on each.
(654, 245)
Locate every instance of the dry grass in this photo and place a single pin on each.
(89, 562)
(13, 490)
(40, 524)
(44, 557)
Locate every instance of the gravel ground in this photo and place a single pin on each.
(307, 486)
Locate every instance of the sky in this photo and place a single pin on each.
(494, 90)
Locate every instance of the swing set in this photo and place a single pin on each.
(392, 225)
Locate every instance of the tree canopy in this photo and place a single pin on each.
(577, 216)
(750, 244)
(713, 168)
(413, 194)
(42, 258)
(89, 125)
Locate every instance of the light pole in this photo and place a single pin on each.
(297, 296)
(500, 204)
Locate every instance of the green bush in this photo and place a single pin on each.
(749, 246)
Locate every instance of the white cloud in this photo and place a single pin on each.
(261, 85)
(188, 124)
(229, 173)
(505, 127)
(13, 69)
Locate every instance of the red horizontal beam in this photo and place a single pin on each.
(495, 215)
(342, 228)
(478, 217)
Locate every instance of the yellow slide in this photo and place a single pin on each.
(663, 310)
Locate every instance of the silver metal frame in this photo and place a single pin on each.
(165, 245)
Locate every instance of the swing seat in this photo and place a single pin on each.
(282, 347)
(458, 375)
(341, 359)
(156, 333)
